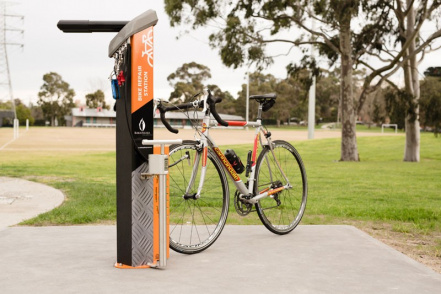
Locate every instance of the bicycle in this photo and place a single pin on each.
(199, 193)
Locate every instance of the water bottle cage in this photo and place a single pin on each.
(235, 161)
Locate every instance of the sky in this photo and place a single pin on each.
(82, 61)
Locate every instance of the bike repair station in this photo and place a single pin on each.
(141, 168)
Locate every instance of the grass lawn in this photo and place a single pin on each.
(359, 128)
(395, 201)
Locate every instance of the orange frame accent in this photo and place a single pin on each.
(124, 266)
(236, 123)
(204, 157)
(276, 190)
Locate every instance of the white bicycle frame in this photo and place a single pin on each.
(246, 194)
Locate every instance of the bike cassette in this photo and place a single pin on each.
(242, 208)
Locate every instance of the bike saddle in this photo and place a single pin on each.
(264, 97)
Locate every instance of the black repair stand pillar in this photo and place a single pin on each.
(137, 196)
(137, 219)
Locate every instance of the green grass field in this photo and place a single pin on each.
(381, 189)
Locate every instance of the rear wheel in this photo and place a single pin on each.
(195, 223)
(282, 211)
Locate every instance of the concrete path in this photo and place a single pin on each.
(21, 200)
(245, 259)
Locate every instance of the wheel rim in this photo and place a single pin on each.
(195, 223)
(282, 211)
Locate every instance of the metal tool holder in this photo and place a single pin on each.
(158, 166)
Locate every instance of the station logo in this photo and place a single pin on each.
(142, 125)
(147, 40)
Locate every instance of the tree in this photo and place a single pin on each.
(23, 113)
(401, 46)
(252, 24)
(327, 96)
(396, 101)
(289, 102)
(433, 72)
(378, 113)
(97, 99)
(6, 121)
(228, 105)
(37, 114)
(188, 80)
(431, 104)
(55, 98)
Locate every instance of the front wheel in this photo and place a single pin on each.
(282, 211)
(195, 222)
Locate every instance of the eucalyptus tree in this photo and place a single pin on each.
(55, 97)
(97, 99)
(248, 26)
(188, 80)
(349, 33)
(402, 47)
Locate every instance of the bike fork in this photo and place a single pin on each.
(199, 155)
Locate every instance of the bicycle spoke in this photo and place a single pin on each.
(182, 219)
(208, 231)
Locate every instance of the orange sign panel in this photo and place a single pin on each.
(142, 68)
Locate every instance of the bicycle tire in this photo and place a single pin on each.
(195, 224)
(282, 212)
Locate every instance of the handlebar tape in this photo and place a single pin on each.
(164, 121)
(212, 102)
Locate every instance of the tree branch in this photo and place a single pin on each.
(300, 23)
(396, 64)
(385, 79)
(379, 57)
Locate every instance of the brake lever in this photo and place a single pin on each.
(156, 102)
(204, 98)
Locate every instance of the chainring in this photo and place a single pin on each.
(242, 208)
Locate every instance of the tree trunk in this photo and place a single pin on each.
(412, 84)
(349, 150)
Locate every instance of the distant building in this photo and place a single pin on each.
(88, 117)
(91, 117)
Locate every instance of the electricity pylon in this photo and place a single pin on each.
(6, 35)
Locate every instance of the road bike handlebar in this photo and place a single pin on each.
(210, 101)
(90, 26)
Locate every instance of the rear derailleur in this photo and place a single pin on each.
(275, 185)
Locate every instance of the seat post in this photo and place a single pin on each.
(259, 112)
